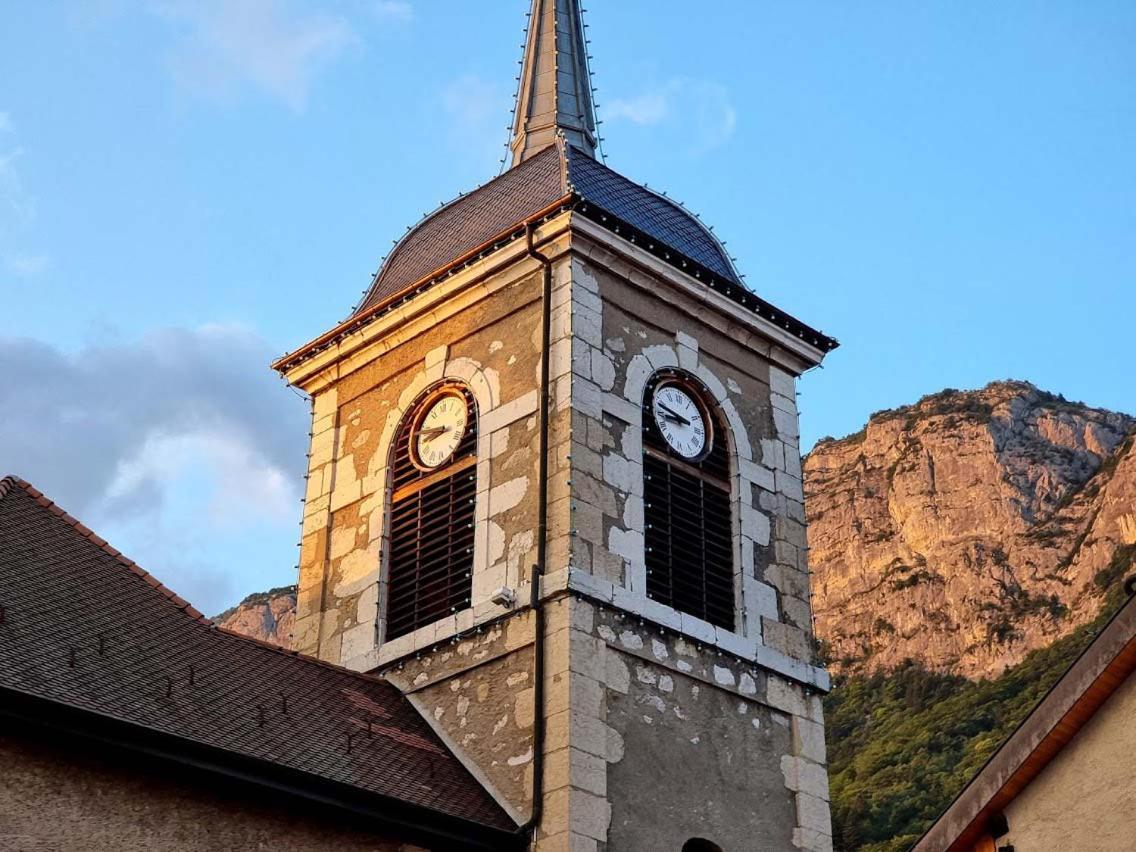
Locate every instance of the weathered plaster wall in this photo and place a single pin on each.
(69, 798)
(478, 694)
(693, 737)
(470, 674)
(1086, 798)
(636, 335)
(660, 720)
(492, 345)
(650, 685)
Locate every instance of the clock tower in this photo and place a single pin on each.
(554, 495)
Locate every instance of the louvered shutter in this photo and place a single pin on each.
(688, 515)
(431, 530)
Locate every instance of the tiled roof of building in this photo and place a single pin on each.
(83, 626)
(471, 220)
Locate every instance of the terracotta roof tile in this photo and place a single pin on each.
(80, 629)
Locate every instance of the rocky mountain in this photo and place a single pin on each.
(959, 533)
(964, 549)
(965, 530)
(268, 616)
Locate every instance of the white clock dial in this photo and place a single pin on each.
(440, 430)
(680, 421)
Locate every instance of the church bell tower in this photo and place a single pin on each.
(554, 495)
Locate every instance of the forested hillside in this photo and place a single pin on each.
(902, 744)
(964, 550)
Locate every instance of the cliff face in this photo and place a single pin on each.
(268, 616)
(960, 532)
(969, 528)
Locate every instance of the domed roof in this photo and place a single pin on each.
(554, 168)
(558, 172)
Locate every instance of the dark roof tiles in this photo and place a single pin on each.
(469, 222)
(649, 212)
(472, 220)
(85, 627)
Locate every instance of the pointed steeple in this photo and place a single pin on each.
(555, 92)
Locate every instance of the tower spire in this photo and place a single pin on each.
(555, 91)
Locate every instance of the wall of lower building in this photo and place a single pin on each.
(73, 798)
(1085, 799)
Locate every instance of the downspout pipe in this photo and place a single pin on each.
(535, 603)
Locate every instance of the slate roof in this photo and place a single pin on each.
(649, 212)
(468, 222)
(471, 220)
(83, 626)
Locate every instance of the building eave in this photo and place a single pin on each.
(1065, 709)
(725, 296)
(357, 322)
(787, 327)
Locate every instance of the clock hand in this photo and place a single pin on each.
(673, 415)
(432, 432)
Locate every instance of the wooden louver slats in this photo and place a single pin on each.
(430, 533)
(689, 529)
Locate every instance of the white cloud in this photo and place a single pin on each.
(25, 265)
(645, 109)
(394, 10)
(699, 111)
(272, 45)
(181, 448)
(17, 213)
(247, 487)
(475, 108)
(17, 206)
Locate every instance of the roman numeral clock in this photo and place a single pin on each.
(439, 430)
(681, 421)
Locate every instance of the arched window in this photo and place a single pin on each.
(686, 500)
(700, 844)
(434, 487)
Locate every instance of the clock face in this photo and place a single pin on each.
(680, 421)
(440, 430)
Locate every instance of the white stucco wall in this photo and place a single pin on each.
(1086, 798)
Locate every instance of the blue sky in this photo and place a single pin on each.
(191, 187)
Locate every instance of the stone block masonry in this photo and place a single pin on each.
(638, 695)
